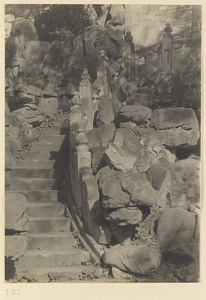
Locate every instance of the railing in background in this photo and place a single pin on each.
(134, 60)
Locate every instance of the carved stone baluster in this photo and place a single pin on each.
(102, 72)
(82, 159)
(86, 100)
(167, 50)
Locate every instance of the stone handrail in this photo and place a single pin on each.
(83, 183)
(164, 50)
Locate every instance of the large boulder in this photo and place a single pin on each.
(15, 213)
(138, 259)
(110, 190)
(117, 13)
(97, 158)
(166, 118)
(105, 114)
(29, 115)
(137, 114)
(174, 229)
(54, 57)
(129, 152)
(100, 136)
(124, 216)
(173, 137)
(49, 106)
(178, 183)
(22, 31)
(139, 188)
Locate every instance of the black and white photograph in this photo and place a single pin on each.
(103, 127)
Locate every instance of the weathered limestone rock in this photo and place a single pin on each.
(110, 189)
(117, 13)
(15, 245)
(97, 158)
(49, 106)
(178, 183)
(133, 113)
(105, 114)
(139, 188)
(72, 66)
(129, 152)
(174, 137)
(124, 216)
(175, 228)
(22, 31)
(166, 118)
(26, 115)
(138, 259)
(15, 206)
(13, 144)
(100, 136)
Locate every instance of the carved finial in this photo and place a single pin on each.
(128, 37)
(81, 141)
(103, 55)
(168, 30)
(85, 74)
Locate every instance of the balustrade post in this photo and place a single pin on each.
(102, 72)
(86, 100)
(167, 50)
(129, 53)
(82, 159)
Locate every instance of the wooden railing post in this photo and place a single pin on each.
(102, 72)
(167, 50)
(86, 100)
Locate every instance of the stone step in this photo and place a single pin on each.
(33, 184)
(37, 173)
(38, 164)
(39, 259)
(41, 196)
(44, 155)
(49, 224)
(44, 209)
(46, 146)
(50, 241)
(64, 274)
(52, 139)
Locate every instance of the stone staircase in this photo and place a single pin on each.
(52, 247)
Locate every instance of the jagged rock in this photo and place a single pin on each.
(100, 136)
(174, 228)
(180, 182)
(49, 106)
(26, 115)
(22, 31)
(129, 152)
(71, 90)
(15, 246)
(105, 114)
(124, 216)
(97, 158)
(167, 118)
(137, 114)
(139, 188)
(110, 189)
(15, 206)
(138, 259)
(117, 13)
(174, 137)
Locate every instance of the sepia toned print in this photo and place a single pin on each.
(102, 131)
